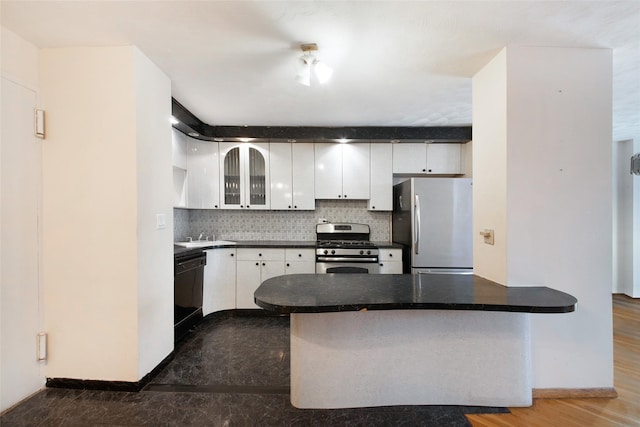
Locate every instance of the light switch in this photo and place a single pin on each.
(488, 236)
(161, 221)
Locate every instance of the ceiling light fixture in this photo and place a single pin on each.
(308, 65)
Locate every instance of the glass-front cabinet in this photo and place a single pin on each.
(244, 172)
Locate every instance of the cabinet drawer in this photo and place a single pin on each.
(292, 254)
(390, 254)
(252, 254)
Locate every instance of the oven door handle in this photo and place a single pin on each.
(346, 259)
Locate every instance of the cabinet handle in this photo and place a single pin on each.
(295, 207)
(339, 196)
(424, 170)
(381, 265)
(248, 206)
(345, 196)
(259, 254)
(257, 263)
(215, 206)
(263, 264)
(241, 206)
(288, 265)
(299, 255)
(289, 206)
(231, 254)
(429, 170)
(373, 207)
(390, 255)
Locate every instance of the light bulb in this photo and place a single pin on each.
(323, 71)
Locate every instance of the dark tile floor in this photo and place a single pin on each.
(231, 371)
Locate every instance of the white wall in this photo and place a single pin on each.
(98, 206)
(20, 170)
(489, 94)
(558, 200)
(155, 246)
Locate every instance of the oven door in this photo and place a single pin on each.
(347, 267)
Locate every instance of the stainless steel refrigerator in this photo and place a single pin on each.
(432, 218)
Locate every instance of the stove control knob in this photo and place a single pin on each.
(368, 252)
(333, 252)
(326, 251)
(361, 252)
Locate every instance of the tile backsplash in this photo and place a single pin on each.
(277, 225)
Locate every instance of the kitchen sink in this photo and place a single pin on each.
(204, 243)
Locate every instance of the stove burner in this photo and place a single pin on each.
(344, 244)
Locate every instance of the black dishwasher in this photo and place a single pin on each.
(188, 272)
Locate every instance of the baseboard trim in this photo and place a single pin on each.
(574, 393)
(132, 386)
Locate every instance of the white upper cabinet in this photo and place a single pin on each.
(203, 189)
(179, 156)
(342, 171)
(444, 158)
(292, 176)
(422, 158)
(244, 176)
(381, 179)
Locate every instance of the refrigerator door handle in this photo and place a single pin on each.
(416, 213)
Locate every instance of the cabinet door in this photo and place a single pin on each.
(356, 165)
(257, 194)
(328, 171)
(410, 158)
(179, 148)
(231, 170)
(390, 261)
(300, 261)
(219, 284)
(202, 174)
(247, 281)
(270, 269)
(303, 177)
(381, 197)
(280, 165)
(444, 158)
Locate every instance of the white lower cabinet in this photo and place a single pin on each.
(254, 266)
(219, 283)
(390, 261)
(300, 261)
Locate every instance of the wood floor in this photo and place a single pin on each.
(621, 411)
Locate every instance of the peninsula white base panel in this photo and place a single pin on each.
(410, 357)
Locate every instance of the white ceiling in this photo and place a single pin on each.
(396, 63)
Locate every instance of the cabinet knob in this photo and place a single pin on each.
(257, 263)
(299, 255)
(259, 254)
(429, 170)
(345, 196)
(424, 170)
(295, 207)
(248, 206)
(264, 264)
(381, 265)
(231, 254)
(373, 207)
(215, 206)
(339, 196)
(288, 265)
(390, 255)
(289, 206)
(241, 206)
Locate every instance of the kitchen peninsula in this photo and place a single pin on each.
(377, 340)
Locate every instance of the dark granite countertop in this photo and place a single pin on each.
(298, 244)
(319, 293)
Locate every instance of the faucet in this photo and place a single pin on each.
(200, 236)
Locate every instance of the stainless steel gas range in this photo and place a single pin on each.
(345, 248)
